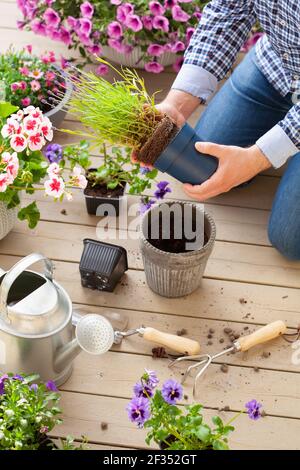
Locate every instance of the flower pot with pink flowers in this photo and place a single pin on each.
(149, 34)
(30, 80)
(24, 168)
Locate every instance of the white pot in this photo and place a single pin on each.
(133, 59)
(8, 218)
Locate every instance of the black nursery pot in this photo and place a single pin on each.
(93, 201)
(46, 443)
(181, 160)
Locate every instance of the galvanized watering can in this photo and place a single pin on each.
(36, 333)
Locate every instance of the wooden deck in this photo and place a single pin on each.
(247, 284)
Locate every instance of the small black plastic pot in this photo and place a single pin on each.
(46, 443)
(93, 202)
(182, 161)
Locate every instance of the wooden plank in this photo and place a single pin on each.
(214, 300)
(10, 13)
(234, 224)
(229, 261)
(114, 374)
(83, 414)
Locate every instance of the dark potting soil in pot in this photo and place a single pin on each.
(164, 132)
(101, 190)
(168, 241)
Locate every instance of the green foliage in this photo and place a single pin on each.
(26, 413)
(118, 170)
(6, 109)
(30, 213)
(77, 154)
(120, 113)
(183, 428)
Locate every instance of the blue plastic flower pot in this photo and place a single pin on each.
(182, 161)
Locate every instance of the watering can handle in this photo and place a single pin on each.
(15, 272)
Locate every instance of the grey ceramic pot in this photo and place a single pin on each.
(176, 274)
(58, 113)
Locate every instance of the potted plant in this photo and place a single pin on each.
(176, 240)
(175, 427)
(28, 413)
(106, 184)
(123, 113)
(147, 34)
(27, 79)
(23, 166)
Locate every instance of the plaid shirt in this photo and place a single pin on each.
(223, 29)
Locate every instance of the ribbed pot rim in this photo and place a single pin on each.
(188, 254)
(67, 95)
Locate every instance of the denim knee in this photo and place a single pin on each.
(282, 238)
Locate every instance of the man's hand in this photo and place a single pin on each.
(236, 166)
(178, 105)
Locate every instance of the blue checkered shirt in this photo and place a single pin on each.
(223, 29)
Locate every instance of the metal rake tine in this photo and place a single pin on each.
(201, 372)
(193, 366)
(185, 358)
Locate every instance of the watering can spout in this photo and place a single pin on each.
(66, 354)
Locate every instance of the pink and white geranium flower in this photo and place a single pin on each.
(31, 125)
(12, 165)
(54, 187)
(4, 182)
(11, 127)
(54, 170)
(78, 179)
(36, 141)
(46, 128)
(18, 142)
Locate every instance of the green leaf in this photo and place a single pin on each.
(203, 433)
(217, 421)
(112, 184)
(220, 445)
(6, 109)
(31, 214)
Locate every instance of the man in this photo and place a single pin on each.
(253, 122)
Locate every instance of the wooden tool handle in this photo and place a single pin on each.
(264, 334)
(176, 343)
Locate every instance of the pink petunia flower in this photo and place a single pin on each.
(35, 85)
(53, 33)
(178, 46)
(154, 67)
(115, 44)
(50, 76)
(161, 22)
(29, 48)
(134, 23)
(26, 101)
(155, 50)
(147, 22)
(51, 17)
(156, 8)
(116, 2)
(54, 187)
(198, 15)
(18, 142)
(36, 141)
(114, 30)
(123, 11)
(179, 15)
(85, 26)
(38, 27)
(178, 64)
(95, 49)
(87, 9)
(72, 22)
(65, 36)
(64, 62)
(189, 33)
(170, 3)
(102, 69)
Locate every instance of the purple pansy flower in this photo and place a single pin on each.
(87, 10)
(144, 170)
(34, 387)
(134, 22)
(151, 378)
(51, 17)
(146, 205)
(171, 391)
(253, 409)
(161, 22)
(142, 390)
(154, 67)
(114, 30)
(138, 410)
(18, 377)
(53, 153)
(156, 8)
(51, 386)
(155, 50)
(179, 15)
(162, 189)
(3, 378)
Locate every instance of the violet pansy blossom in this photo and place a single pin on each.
(253, 409)
(162, 189)
(142, 390)
(138, 410)
(172, 391)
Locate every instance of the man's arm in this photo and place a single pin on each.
(223, 29)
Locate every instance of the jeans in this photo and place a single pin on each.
(245, 108)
